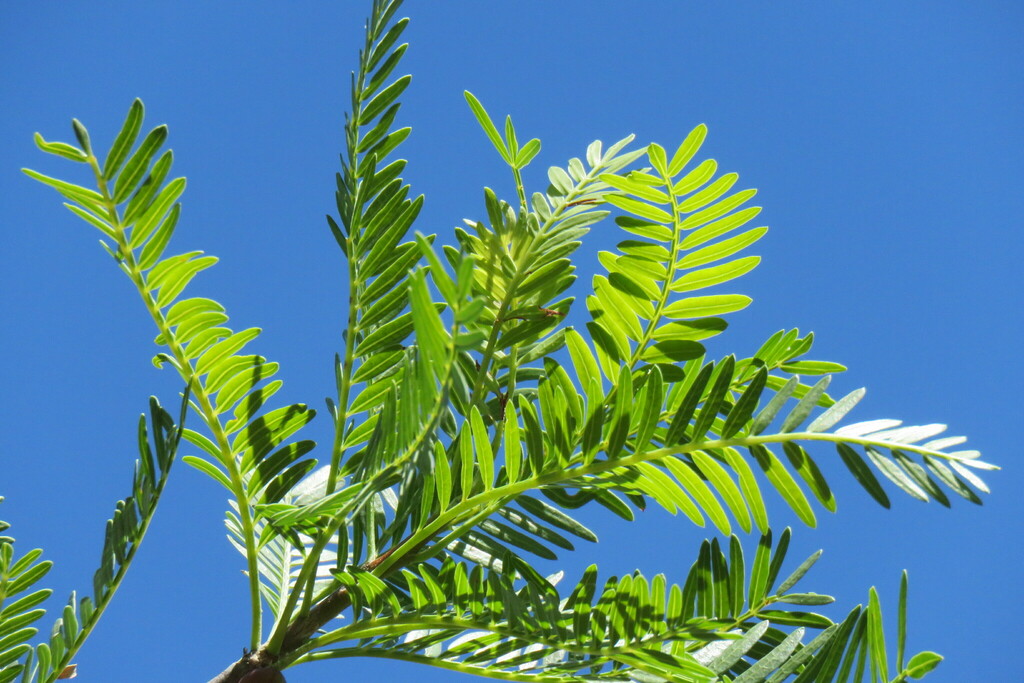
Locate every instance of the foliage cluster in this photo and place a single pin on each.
(470, 423)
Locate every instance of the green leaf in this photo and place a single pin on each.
(513, 446)
(920, 476)
(386, 335)
(656, 155)
(93, 220)
(721, 250)
(749, 487)
(61, 149)
(383, 100)
(389, 38)
(809, 472)
(488, 125)
(224, 348)
(618, 428)
(482, 447)
(154, 249)
(82, 135)
(738, 648)
(635, 188)
(639, 208)
(210, 470)
(946, 476)
(837, 412)
(876, 636)
(687, 149)
(725, 486)
(862, 473)
(708, 194)
(745, 405)
(527, 153)
(672, 351)
(654, 231)
(687, 406)
(923, 663)
(798, 574)
(809, 599)
(143, 197)
(148, 221)
(812, 367)
(442, 476)
(716, 396)
(381, 74)
(803, 409)
(555, 517)
(717, 228)
(265, 433)
(901, 623)
(771, 661)
(784, 483)
(177, 277)
(88, 198)
(124, 140)
(583, 361)
(511, 142)
(695, 330)
(693, 484)
(702, 306)
(695, 178)
(708, 277)
(895, 474)
(717, 210)
(136, 167)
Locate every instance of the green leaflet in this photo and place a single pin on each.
(687, 149)
(62, 149)
(488, 126)
(784, 483)
(708, 277)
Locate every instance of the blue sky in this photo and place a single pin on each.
(884, 139)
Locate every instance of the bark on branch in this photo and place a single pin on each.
(299, 632)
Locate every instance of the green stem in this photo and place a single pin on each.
(103, 602)
(663, 298)
(662, 302)
(420, 622)
(500, 495)
(352, 331)
(521, 263)
(308, 571)
(520, 189)
(205, 404)
(509, 395)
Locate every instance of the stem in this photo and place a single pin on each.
(103, 602)
(308, 571)
(500, 495)
(520, 189)
(663, 299)
(421, 622)
(205, 405)
(525, 258)
(352, 331)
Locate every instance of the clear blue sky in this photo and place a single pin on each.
(885, 140)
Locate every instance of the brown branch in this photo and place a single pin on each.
(238, 670)
(258, 666)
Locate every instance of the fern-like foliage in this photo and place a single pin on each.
(20, 598)
(137, 212)
(514, 625)
(470, 422)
